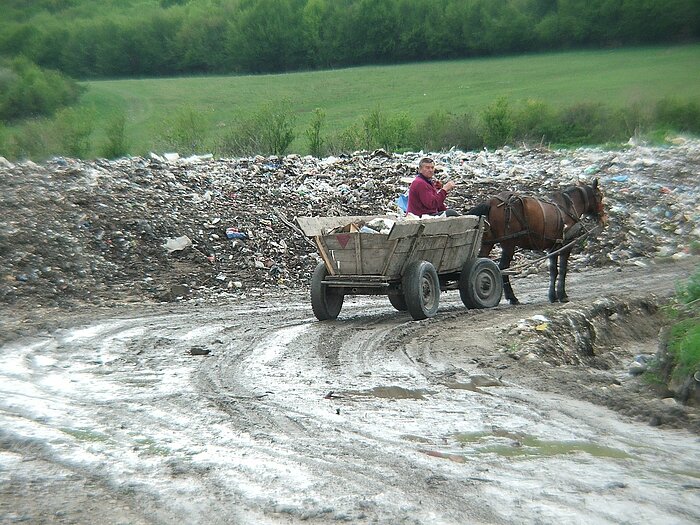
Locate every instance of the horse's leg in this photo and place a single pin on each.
(504, 264)
(485, 250)
(561, 284)
(553, 272)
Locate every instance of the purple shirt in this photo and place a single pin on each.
(424, 199)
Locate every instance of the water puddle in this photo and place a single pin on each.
(85, 434)
(518, 444)
(515, 444)
(385, 392)
(397, 392)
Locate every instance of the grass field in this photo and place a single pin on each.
(614, 77)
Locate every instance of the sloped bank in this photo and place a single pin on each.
(603, 351)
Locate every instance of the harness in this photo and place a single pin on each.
(511, 209)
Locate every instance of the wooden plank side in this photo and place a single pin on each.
(359, 253)
(376, 249)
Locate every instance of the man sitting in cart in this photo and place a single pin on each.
(426, 195)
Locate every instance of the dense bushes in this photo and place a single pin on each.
(102, 38)
(29, 91)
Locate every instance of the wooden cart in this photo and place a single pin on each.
(411, 264)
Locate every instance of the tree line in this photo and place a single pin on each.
(107, 39)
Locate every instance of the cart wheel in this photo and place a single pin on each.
(421, 288)
(480, 284)
(326, 302)
(398, 301)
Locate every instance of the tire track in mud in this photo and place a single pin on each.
(250, 434)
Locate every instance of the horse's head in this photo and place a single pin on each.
(596, 206)
(593, 201)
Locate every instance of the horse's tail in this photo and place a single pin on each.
(480, 209)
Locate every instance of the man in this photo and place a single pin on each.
(426, 196)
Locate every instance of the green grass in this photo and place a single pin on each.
(613, 77)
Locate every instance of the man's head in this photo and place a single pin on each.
(426, 167)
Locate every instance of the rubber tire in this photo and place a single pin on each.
(326, 302)
(421, 288)
(398, 301)
(480, 284)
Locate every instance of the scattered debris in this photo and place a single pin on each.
(102, 232)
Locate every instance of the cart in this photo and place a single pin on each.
(411, 264)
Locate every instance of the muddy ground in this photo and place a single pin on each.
(253, 412)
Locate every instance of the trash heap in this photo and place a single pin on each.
(164, 228)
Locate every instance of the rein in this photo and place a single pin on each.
(519, 268)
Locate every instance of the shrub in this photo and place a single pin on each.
(72, 130)
(116, 144)
(690, 292)
(535, 122)
(28, 91)
(276, 123)
(682, 357)
(678, 115)
(313, 134)
(185, 132)
(432, 131)
(464, 133)
(32, 140)
(586, 123)
(348, 140)
(634, 119)
(391, 133)
(684, 347)
(497, 123)
(270, 131)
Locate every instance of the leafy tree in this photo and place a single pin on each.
(266, 36)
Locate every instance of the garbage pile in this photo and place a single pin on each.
(164, 228)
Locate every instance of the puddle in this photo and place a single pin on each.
(85, 435)
(397, 392)
(415, 439)
(525, 445)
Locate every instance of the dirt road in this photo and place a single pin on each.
(257, 413)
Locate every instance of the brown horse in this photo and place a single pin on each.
(539, 224)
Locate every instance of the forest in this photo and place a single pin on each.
(91, 39)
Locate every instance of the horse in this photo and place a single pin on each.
(531, 223)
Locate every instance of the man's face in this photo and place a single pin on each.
(427, 170)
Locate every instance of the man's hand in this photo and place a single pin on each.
(449, 186)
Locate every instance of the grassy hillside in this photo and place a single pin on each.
(615, 78)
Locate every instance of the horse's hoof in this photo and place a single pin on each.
(514, 302)
(564, 300)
